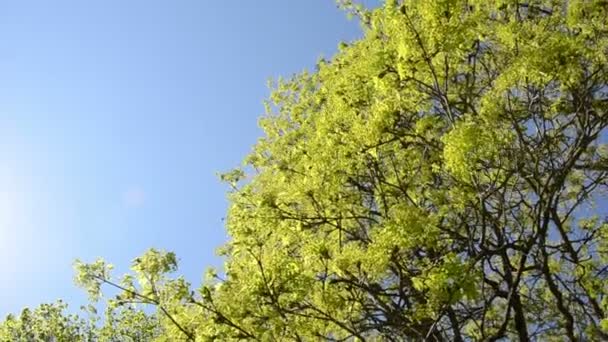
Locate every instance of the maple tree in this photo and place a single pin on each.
(443, 178)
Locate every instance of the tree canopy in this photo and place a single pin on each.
(443, 179)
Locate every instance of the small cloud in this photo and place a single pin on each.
(134, 197)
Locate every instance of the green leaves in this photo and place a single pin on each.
(442, 178)
(91, 276)
(411, 176)
(472, 145)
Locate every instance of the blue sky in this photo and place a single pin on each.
(115, 117)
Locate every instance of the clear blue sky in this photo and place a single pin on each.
(115, 117)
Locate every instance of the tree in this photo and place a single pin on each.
(443, 178)
(52, 323)
(45, 323)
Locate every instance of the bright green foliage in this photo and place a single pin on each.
(53, 323)
(126, 323)
(441, 179)
(44, 323)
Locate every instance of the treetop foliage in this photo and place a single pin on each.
(441, 179)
